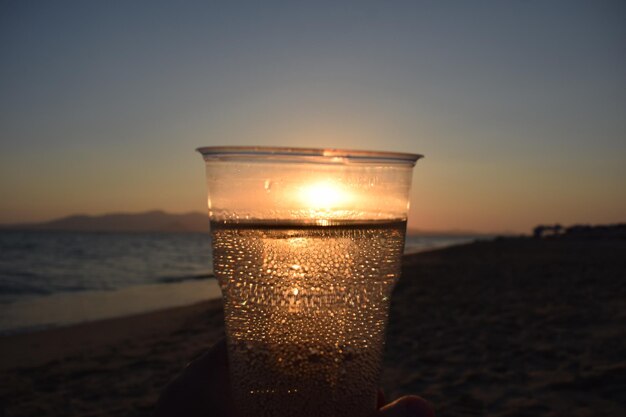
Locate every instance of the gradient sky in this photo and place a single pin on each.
(519, 106)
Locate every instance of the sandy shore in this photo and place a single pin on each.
(515, 327)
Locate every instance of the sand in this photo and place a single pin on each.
(515, 327)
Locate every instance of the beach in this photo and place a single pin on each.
(510, 327)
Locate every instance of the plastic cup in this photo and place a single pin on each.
(307, 247)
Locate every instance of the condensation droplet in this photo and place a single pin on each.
(309, 303)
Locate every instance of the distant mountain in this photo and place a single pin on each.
(151, 221)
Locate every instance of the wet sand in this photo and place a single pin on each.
(515, 327)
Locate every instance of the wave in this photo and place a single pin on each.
(11, 290)
(8, 288)
(195, 277)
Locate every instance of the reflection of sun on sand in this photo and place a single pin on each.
(511, 327)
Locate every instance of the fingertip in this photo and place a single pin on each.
(408, 406)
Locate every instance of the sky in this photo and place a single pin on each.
(518, 106)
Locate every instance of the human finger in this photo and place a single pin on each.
(409, 406)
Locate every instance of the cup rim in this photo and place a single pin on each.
(323, 155)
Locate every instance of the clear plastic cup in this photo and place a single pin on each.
(307, 247)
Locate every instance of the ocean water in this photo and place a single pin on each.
(58, 278)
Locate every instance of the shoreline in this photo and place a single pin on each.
(30, 314)
(24, 348)
(56, 311)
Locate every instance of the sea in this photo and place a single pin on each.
(50, 279)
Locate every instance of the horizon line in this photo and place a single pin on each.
(410, 230)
